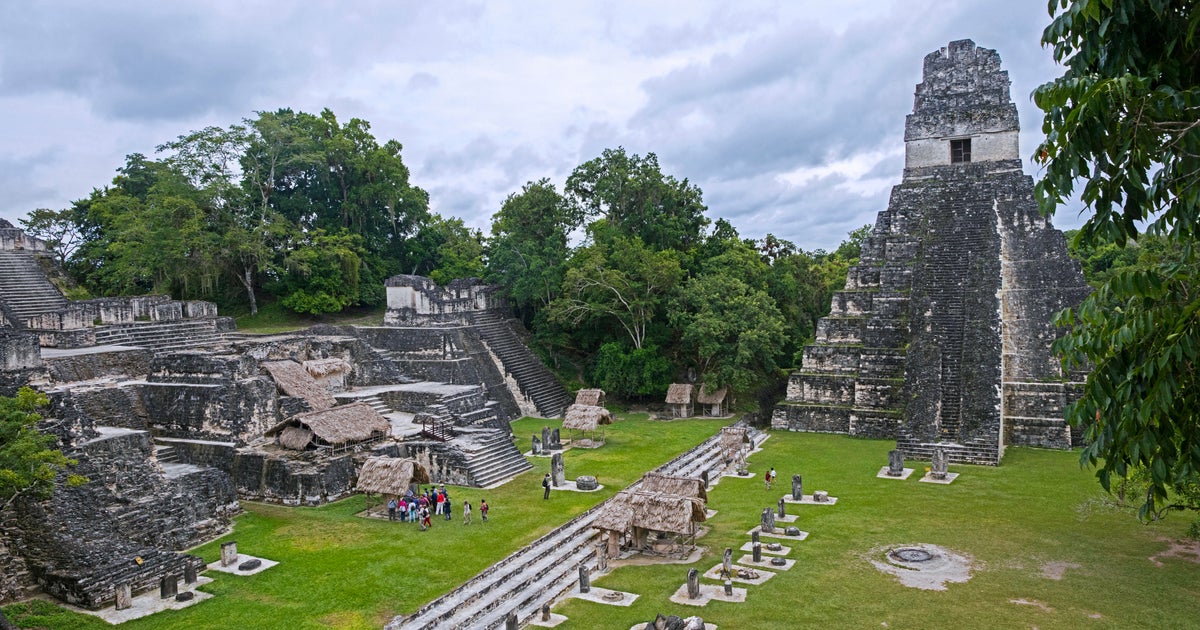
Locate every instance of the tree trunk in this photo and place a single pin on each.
(248, 282)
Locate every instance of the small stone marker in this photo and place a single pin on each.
(693, 584)
(782, 511)
(774, 546)
(895, 463)
(586, 482)
(757, 552)
(797, 487)
(557, 470)
(556, 439)
(546, 444)
(938, 464)
(704, 478)
(820, 496)
(602, 555)
(189, 574)
(659, 623)
(727, 563)
(546, 612)
(792, 531)
(510, 622)
(754, 537)
(537, 446)
(229, 553)
(729, 587)
(168, 586)
(585, 582)
(768, 520)
(185, 596)
(124, 596)
(250, 565)
(779, 562)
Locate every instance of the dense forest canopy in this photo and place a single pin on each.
(621, 276)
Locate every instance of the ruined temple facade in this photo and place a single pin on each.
(942, 336)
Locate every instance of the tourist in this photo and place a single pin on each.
(392, 509)
(466, 512)
(402, 508)
(546, 486)
(772, 474)
(441, 503)
(445, 507)
(412, 511)
(483, 509)
(425, 522)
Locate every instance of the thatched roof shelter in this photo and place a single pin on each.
(716, 397)
(390, 475)
(340, 426)
(732, 441)
(593, 397)
(652, 511)
(586, 417)
(686, 487)
(680, 394)
(293, 380)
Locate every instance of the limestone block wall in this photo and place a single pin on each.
(419, 300)
(307, 478)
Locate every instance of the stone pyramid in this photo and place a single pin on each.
(941, 338)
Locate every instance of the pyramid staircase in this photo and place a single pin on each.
(534, 379)
(24, 289)
(169, 335)
(492, 458)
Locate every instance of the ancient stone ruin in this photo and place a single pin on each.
(174, 416)
(942, 335)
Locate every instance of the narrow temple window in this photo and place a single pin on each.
(960, 151)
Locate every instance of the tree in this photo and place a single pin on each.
(1125, 120)
(617, 278)
(635, 197)
(731, 331)
(322, 273)
(58, 228)
(527, 252)
(28, 464)
(459, 252)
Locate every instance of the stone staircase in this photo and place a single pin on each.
(375, 402)
(545, 569)
(24, 289)
(491, 457)
(534, 379)
(170, 335)
(165, 454)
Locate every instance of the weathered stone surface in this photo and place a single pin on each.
(768, 520)
(250, 565)
(693, 584)
(820, 496)
(779, 562)
(557, 470)
(797, 487)
(961, 259)
(895, 463)
(757, 552)
(585, 579)
(229, 553)
(938, 464)
(586, 482)
(792, 531)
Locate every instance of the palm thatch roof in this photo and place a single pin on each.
(650, 510)
(347, 424)
(294, 380)
(680, 394)
(586, 417)
(686, 487)
(716, 397)
(390, 475)
(295, 438)
(324, 367)
(594, 397)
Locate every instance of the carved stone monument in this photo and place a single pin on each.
(546, 443)
(768, 520)
(602, 557)
(229, 553)
(585, 581)
(757, 552)
(557, 470)
(555, 440)
(537, 446)
(124, 596)
(728, 588)
(727, 563)
(797, 487)
(168, 586)
(586, 482)
(782, 510)
(693, 584)
(546, 612)
(510, 621)
(704, 478)
(754, 536)
(189, 574)
(938, 464)
(895, 463)
(820, 496)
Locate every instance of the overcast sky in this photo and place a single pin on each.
(788, 115)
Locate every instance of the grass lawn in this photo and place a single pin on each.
(1039, 507)
(273, 318)
(338, 570)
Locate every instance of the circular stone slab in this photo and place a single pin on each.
(586, 482)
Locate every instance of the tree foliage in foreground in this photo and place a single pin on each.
(1124, 119)
(28, 464)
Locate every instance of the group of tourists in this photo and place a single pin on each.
(420, 507)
